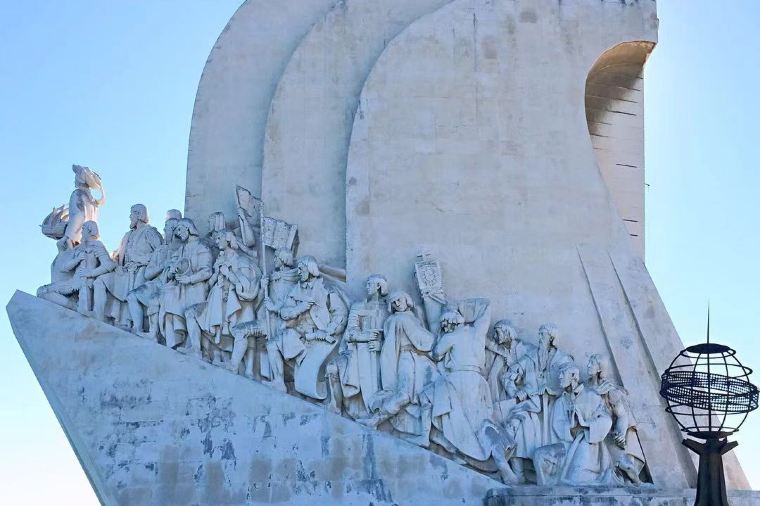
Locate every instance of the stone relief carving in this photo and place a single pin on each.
(438, 375)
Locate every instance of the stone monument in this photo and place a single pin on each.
(386, 203)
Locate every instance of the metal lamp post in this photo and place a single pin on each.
(709, 394)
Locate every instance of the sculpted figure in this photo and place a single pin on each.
(233, 296)
(244, 234)
(534, 384)
(579, 423)
(88, 261)
(405, 369)
(314, 316)
(503, 349)
(146, 298)
(66, 224)
(187, 276)
(132, 257)
(270, 324)
(623, 441)
(355, 374)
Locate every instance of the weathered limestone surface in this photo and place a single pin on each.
(312, 114)
(152, 426)
(471, 143)
(571, 496)
(234, 94)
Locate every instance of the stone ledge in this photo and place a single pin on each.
(602, 496)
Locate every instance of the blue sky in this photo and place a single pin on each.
(112, 84)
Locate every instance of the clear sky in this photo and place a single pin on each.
(112, 84)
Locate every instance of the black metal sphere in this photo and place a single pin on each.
(708, 391)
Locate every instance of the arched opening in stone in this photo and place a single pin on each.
(615, 116)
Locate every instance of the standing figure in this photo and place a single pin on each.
(132, 257)
(315, 317)
(269, 323)
(355, 374)
(405, 369)
(88, 261)
(232, 298)
(187, 277)
(145, 299)
(623, 441)
(503, 349)
(83, 206)
(460, 397)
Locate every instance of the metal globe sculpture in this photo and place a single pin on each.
(709, 394)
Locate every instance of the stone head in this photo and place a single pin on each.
(185, 229)
(569, 377)
(90, 231)
(503, 333)
(138, 213)
(222, 238)
(597, 367)
(173, 214)
(399, 302)
(308, 268)
(548, 335)
(377, 284)
(169, 225)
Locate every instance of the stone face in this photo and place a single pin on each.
(152, 426)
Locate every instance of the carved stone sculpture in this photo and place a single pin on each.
(271, 325)
(623, 442)
(460, 397)
(186, 286)
(579, 423)
(503, 348)
(89, 259)
(232, 299)
(65, 223)
(132, 257)
(355, 373)
(315, 316)
(406, 368)
(145, 299)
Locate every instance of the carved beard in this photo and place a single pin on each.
(543, 357)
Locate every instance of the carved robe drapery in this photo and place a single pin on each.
(405, 369)
(358, 366)
(326, 316)
(461, 397)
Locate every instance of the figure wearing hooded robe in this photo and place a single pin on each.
(405, 369)
(622, 441)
